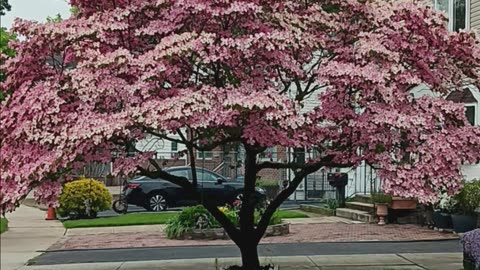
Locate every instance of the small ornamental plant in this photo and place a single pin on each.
(468, 198)
(446, 203)
(381, 198)
(471, 250)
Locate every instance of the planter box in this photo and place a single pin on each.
(216, 234)
(403, 204)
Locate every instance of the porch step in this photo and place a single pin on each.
(366, 207)
(363, 198)
(355, 215)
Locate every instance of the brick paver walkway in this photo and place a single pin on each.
(298, 233)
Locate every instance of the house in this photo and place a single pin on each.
(463, 14)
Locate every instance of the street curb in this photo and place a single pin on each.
(233, 245)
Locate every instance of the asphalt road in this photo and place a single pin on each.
(290, 249)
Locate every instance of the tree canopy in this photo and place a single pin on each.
(219, 71)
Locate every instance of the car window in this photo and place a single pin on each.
(204, 176)
(179, 173)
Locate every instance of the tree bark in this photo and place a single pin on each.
(248, 249)
(248, 205)
(248, 246)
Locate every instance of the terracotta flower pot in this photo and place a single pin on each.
(382, 212)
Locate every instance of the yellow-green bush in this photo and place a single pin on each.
(74, 194)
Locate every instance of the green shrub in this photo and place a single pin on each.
(332, 204)
(74, 195)
(469, 198)
(3, 225)
(276, 219)
(381, 198)
(188, 220)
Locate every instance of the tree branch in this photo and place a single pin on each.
(214, 145)
(325, 162)
(281, 197)
(300, 173)
(188, 187)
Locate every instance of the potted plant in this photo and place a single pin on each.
(381, 202)
(471, 250)
(465, 219)
(442, 215)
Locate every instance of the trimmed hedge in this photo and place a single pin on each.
(74, 194)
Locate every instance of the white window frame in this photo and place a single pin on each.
(451, 13)
(199, 156)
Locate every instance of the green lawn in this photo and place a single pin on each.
(3, 225)
(290, 214)
(144, 219)
(123, 220)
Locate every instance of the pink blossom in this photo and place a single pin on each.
(335, 76)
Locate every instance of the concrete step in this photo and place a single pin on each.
(355, 215)
(364, 198)
(367, 207)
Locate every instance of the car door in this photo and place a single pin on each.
(210, 187)
(181, 197)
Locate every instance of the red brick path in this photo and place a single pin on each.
(299, 233)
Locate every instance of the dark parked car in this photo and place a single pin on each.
(159, 194)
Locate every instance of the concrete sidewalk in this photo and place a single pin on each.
(406, 261)
(28, 232)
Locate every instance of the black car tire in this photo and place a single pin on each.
(157, 202)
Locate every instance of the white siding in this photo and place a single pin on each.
(475, 14)
(162, 147)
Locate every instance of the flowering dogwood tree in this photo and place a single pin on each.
(218, 72)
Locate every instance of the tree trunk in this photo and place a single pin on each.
(250, 260)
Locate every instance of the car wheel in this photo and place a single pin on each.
(157, 202)
(120, 206)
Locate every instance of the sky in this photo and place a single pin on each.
(37, 10)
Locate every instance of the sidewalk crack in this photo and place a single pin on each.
(120, 266)
(316, 265)
(414, 263)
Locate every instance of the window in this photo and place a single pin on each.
(204, 154)
(470, 111)
(459, 15)
(174, 147)
(179, 173)
(458, 12)
(203, 176)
